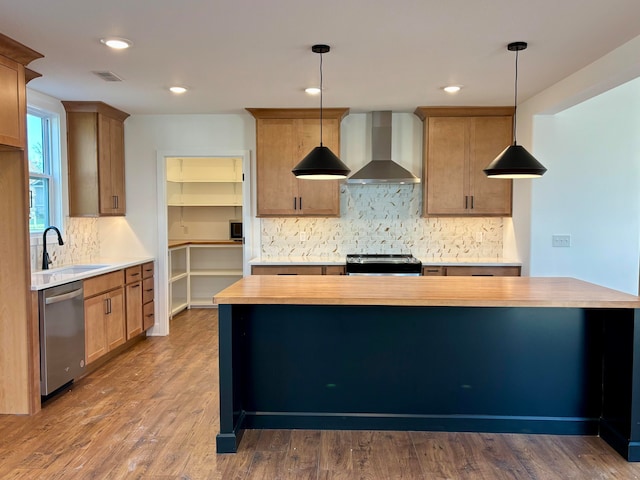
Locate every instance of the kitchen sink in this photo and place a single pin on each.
(76, 269)
(71, 270)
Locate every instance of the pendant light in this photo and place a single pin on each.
(321, 163)
(515, 161)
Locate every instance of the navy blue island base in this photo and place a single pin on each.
(553, 370)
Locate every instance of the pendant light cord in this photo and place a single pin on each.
(321, 99)
(515, 101)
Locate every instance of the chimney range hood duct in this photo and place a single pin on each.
(381, 169)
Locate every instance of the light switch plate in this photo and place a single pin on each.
(560, 240)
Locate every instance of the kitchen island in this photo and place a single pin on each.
(488, 354)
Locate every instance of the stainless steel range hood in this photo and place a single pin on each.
(381, 169)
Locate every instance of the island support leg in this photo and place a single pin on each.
(230, 433)
(620, 421)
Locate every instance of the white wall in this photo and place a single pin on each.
(591, 190)
(610, 71)
(147, 139)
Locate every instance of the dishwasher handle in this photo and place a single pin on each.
(63, 297)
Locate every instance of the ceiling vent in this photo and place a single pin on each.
(108, 76)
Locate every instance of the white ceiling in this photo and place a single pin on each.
(384, 55)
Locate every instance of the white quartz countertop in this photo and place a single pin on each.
(426, 261)
(42, 279)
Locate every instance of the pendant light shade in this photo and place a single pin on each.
(515, 161)
(321, 163)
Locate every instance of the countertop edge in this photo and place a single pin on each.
(112, 266)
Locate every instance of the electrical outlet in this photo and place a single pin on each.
(560, 240)
(478, 237)
(303, 236)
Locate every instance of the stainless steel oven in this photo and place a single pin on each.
(383, 264)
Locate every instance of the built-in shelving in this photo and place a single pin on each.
(199, 271)
(203, 195)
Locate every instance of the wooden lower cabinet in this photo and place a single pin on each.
(335, 270)
(298, 270)
(287, 270)
(472, 271)
(148, 294)
(118, 306)
(104, 323)
(432, 271)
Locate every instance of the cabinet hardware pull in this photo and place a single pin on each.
(466, 201)
(300, 203)
(135, 274)
(135, 286)
(471, 202)
(295, 203)
(149, 290)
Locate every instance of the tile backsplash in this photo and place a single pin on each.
(382, 219)
(81, 244)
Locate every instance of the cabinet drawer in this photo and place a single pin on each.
(103, 283)
(284, 270)
(334, 270)
(432, 271)
(147, 290)
(484, 271)
(148, 319)
(133, 274)
(147, 270)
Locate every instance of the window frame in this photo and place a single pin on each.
(52, 165)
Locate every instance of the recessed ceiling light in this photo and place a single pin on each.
(452, 88)
(178, 89)
(116, 43)
(312, 90)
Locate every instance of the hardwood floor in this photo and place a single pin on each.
(152, 413)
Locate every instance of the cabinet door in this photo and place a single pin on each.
(116, 149)
(95, 334)
(111, 166)
(488, 137)
(12, 99)
(115, 319)
(318, 197)
(134, 309)
(277, 187)
(447, 167)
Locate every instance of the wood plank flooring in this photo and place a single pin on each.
(152, 413)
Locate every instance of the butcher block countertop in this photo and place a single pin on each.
(424, 291)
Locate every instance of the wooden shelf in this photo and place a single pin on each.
(178, 276)
(178, 308)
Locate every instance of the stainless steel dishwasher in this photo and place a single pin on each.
(61, 335)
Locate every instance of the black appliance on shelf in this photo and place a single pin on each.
(383, 264)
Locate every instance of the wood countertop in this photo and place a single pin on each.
(424, 291)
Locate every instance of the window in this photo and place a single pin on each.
(44, 169)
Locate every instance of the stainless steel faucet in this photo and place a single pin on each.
(46, 261)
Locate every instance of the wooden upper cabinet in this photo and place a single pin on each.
(283, 138)
(95, 139)
(458, 144)
(13, 58)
